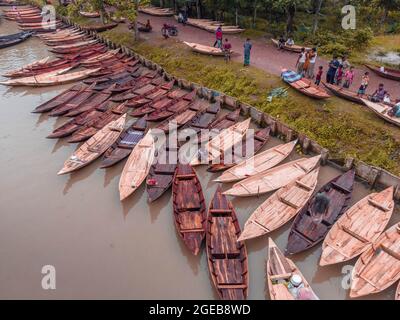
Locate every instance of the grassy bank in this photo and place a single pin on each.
(346, 129)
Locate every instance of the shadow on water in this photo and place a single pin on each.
(156, 207)
(79, 175)
(112, 172)
(193, 261)
(42, 118)
(133, 200)
(60, 143)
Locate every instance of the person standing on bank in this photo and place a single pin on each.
(301, 61)
(247, 50)
(333, 66)
(312, 56)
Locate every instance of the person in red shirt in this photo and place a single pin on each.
(218, 37)
(319, 75)
(227, 47)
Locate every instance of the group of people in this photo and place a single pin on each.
(340, 72)
(226, 46)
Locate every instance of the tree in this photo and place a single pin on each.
(289, 7)
(387, 5)
(317, 4)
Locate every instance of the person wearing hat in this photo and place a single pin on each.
(298, 290)
(320, 205)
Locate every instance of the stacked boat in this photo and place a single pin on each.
(211, 26)
(157, 11)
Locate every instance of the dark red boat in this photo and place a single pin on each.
(307, 232)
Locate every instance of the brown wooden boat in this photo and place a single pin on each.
(226, 121)
(90, 129)
(257, 164)
(393, 74)
(274, 178)
(94, 147)
(358, 228)
(382, 110)
(227, 258)
(157, 11)
(78, 122)
(38, 63)
(59, 66)
(94, 14)
(221, 143)
(60, 99)
(179, 106)
(239, 153)
(143, 96)
(162, 172)
(180, 119)
(281, 207)
(71, 49)
(90, 103)
(307, 232)
(189, 207)
(100, 27)
(137, 167)
(50, 80)
(199, 48)
(279, 271)
(344, 93)
(76, 101)
(306, 87)
(123, 147)
(293, 48)
(379, 266)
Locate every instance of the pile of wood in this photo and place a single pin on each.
(211, 26)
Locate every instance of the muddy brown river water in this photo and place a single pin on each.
(99, 247)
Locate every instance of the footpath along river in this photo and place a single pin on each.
(100, 247)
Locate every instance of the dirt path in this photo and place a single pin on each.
(264, 55)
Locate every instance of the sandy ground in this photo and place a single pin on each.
(264, 55)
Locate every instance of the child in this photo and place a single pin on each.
(319, 75)
(364, 84)
(227, 50)
(348, 78)
(339, 75)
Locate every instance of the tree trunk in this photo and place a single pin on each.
(385, 15)
(291, 11)
(162, 3)
(135, 24)
(317, 10)
(174, 6)
(255, 14)
(198, 8)
(236, 17)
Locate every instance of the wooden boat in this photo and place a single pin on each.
(393, 74)
(90, 129)
(146, 95)
(50, 80)
(294, 48)
(199, 48)
(183, 117)
(211, 26)
(41, 24)
(123, 147)
(77, 44)
(137, 167)
(382, 111)
(279, 271)
(162, 172)
(100, 27)
(254, 142)
(78, 122)
(60, 99)
(307, 232)
(156, 11)
(94, 147)
(38, 63)
(73, 110)
(225, 121)
(227, 258)
(176, 107)
(344, 93)
(273, 179)
(14, 41)
(58, 65)
(358, 228)
(378, 267)
(95, 14)
(12, 36)
(76, 101)
(221, 143)
(306, 87)
(189, 207)
(257, 164)
(281, 207)
(397, 297)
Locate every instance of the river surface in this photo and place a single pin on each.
(100, 248)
